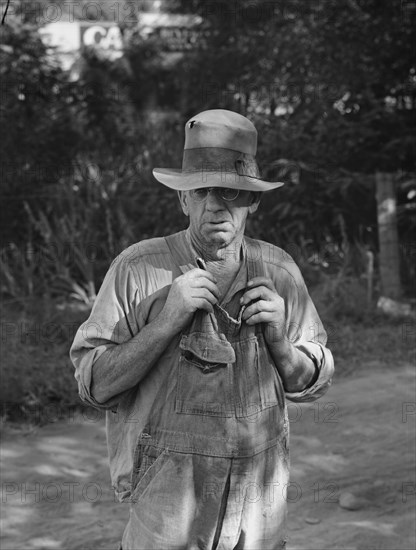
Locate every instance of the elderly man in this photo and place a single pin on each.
(194, 344)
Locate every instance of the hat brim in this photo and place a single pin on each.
(185, 181)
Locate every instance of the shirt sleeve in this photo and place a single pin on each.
(306, 332)
(112, 322)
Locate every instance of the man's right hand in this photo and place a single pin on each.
(123, 366)
(196, 289)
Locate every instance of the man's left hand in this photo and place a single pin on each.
(296, 369)
(264, 305)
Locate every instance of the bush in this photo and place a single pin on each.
(37, 376)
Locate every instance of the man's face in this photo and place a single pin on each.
(216, 221)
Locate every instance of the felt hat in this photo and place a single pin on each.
(220, 150)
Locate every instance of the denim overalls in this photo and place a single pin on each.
(211, 466)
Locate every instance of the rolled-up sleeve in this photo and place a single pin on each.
(83, 359)
(306, 332)
(324, 364)
(112, 322)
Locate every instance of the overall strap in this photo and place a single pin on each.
(254, 254)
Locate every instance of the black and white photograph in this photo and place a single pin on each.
(207, 275)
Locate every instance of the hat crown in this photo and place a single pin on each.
(220, 149)
(220, 128)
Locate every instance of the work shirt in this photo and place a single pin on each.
(215, 391)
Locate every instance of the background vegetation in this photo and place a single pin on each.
(331, 88)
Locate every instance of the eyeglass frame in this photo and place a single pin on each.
(219, 191)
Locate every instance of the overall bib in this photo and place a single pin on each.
(211, 468)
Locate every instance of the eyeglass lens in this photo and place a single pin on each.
(226, 193)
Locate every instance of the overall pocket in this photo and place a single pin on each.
(246, 379)
(204, 388)
(257, 382)
(147, 462)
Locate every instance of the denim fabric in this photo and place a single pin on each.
(193, 502)
(179, 498)
(213, 404)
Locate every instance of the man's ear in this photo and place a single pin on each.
(183, 199)
(255, 201)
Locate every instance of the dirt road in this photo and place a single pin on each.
(353, 474)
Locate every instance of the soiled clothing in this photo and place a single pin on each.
(213, 402)
(195, 502)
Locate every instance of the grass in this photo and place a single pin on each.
(379, 345)
(359, 335)
(37, 377)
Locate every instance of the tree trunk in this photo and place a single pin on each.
(388, 237)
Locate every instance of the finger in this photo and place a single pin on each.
(205, 294)
(261, 281)
(260, 317)
(202, 303)
(257, 307)
(203, 282)
(260, 292)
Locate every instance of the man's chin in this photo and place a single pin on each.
(218, 233)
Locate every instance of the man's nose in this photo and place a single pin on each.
(214, 201)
